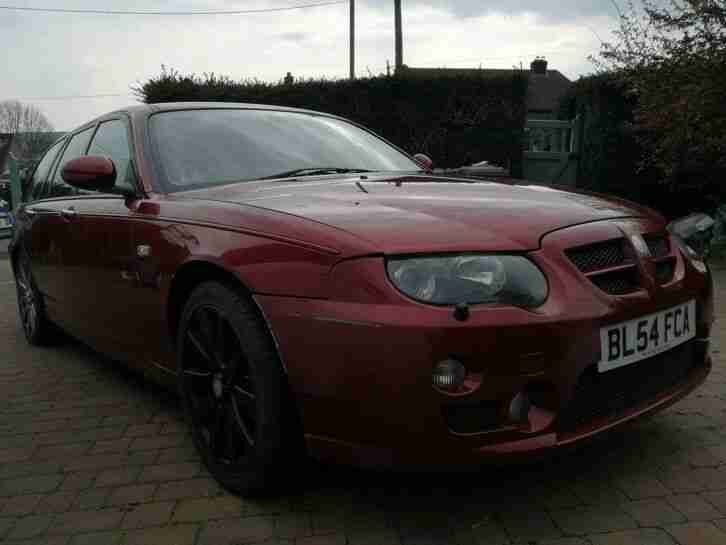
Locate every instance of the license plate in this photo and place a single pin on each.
(629, 342)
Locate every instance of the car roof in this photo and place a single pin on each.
(174, 106)
(140, 111)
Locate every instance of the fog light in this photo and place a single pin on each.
(448, 375)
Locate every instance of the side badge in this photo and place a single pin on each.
(143, 250)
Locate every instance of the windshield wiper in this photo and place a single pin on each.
(314, 171)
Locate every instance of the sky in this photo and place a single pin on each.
(50, 57)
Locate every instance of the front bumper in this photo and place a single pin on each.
(347, 452)
(360, 364)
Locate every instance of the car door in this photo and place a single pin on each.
(102, 253)
(43, 230)
(57, 203)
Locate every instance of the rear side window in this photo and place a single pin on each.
(76, 148)
(112, 141)
(35, 189)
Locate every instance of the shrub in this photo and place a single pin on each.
(456, 120)
(615, 151)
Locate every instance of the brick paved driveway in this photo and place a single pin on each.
(90, 453)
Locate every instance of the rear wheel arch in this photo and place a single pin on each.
(38, 329)
(15, 252)
(14, 256)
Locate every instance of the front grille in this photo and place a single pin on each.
(600, 255)
(593, 258)
(597, 261)
(617, 282)
(658, 245)
(610, 394)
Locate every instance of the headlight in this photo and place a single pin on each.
(693, 235)
(696, 259)
(471, 279)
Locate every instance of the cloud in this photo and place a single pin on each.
(60, 55)
(561, 10)
(296, 37)
(9, 20)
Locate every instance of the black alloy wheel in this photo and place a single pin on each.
(218, 386)
(233, 389)
(38, 330)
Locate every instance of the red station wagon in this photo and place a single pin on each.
(310, 288)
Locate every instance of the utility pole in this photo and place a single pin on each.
(399, 36)
(352, 39)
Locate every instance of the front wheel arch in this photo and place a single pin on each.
(194, 273)
(189, 276)
(285, 439)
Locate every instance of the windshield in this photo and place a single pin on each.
(198, 148)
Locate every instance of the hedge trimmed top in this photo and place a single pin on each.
(456, 120)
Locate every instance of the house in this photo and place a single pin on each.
(548, 143)
(546, 86)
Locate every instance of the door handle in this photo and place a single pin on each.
(69, 213)
(30, 211)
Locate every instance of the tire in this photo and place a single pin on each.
(233, 390)
(39, 331)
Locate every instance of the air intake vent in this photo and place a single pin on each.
(617, 282)
(601, 255)
(658, 245)
(607, 264)
(609, 395)
(664, 270)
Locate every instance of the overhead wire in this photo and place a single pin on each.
(173, 13)
(222, 12)
(154, 13)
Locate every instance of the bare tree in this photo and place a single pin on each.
(17, 118)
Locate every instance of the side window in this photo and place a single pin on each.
(37, 186)
(111, 140)
(76, 148)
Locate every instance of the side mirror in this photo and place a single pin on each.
(90, 172)
(424, 161)
(695, 233)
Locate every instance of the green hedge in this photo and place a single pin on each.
(456, 120)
